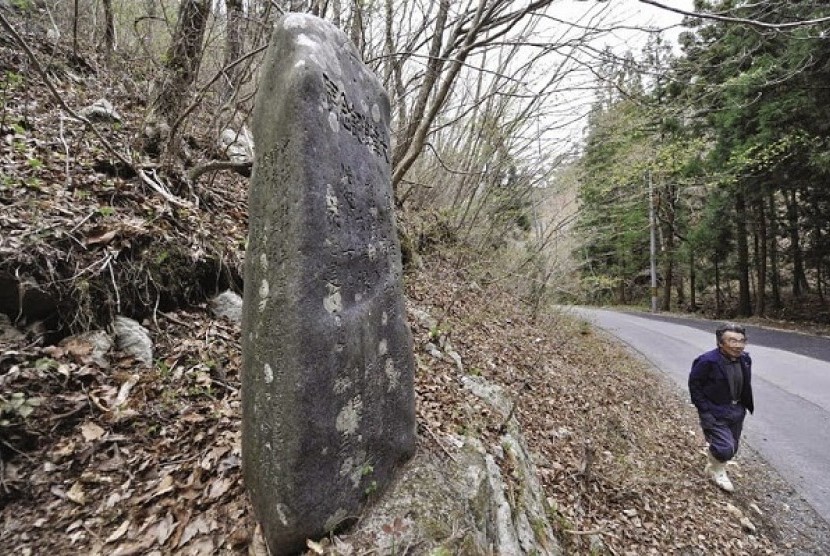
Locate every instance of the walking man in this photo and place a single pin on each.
(720, 384)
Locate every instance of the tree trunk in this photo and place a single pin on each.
(819, 250)
(431, 74)
(681, 290)
(775, 278)
(234, 44)
(356, 27)
(718, 308)
(668, 276)
(75, 28)
(669, 195)
(692, 282)
(744, 299)
(109, 29)
(799, 277)
(336, 15)
(179, 73)
(760, 256)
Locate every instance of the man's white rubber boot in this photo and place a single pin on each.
(717, 472)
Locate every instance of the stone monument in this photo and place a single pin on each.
(327, 383)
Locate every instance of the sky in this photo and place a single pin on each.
(625, 20)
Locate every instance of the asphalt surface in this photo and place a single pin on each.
(791, 385)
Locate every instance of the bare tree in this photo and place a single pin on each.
(109, 28)
(179, 73)
(234, 46)
(477, 25)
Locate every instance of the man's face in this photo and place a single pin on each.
(732, 344)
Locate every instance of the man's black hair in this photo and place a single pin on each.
(729, 327)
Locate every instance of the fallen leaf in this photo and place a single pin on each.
(77, 347)
(198, 525)
(220, 487)
(166, 485)
(747, 525)
(101, 238)
(201, 547)
(92, 432)
(118, 533)
(258, 546)
(124, 391)
(77, 494)
(163, 529)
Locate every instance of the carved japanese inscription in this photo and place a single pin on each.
(327, 387)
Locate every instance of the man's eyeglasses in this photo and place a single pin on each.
(735, 341)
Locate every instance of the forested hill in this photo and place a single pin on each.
(731, 135)
(124, 164)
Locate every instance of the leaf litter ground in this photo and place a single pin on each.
(125, 460)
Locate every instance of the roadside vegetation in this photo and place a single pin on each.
(730, 133)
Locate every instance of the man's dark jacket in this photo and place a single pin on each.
(709, 385)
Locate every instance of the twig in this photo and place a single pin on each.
(437, 441)
(597, 531)
(156, 309)
(752, 22)
(158, 188)
(215, 165)
(20, 453)
(227, 387)
(179, 461)
(81, 223)
(170, 317)
(3, 475)
(115, 287)
(70, 413)
(103, 263)
(66, 150)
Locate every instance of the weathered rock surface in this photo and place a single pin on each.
(522, 526)
(460, 502)
(101, 110)
(327, 390)
(133, 338)
(227, 304)
(236, 145)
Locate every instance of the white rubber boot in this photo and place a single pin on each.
(717, 472)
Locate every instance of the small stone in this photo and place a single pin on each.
(433, 350)
(456, 359)
(236, 145)
(134, 339)
(748, 526)
(101, 110)
(734, 511)
(227, 304)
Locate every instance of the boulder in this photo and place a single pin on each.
(101, 110)
(134, 339)
(227, 304)
(236, 145)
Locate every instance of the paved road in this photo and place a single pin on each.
(791, 385)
